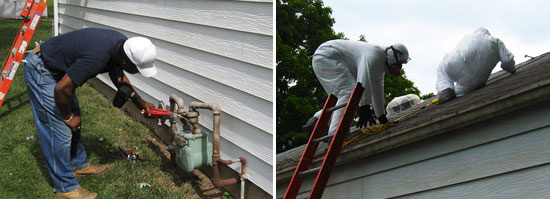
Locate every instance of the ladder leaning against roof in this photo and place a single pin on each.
(32, 12)
(335, 146)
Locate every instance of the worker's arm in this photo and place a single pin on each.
(362, 77)
(118, 78)
(442, 80)
(506, 57)
(63, 95)
(377, 90)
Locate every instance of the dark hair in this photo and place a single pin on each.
(120, 56)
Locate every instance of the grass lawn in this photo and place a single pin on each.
(22, 167)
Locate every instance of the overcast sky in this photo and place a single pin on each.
(431, 28)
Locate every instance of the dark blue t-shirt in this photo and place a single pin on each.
(82, 54)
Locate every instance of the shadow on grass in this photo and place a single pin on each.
(91, 145)
(22, 99)
(37, 154)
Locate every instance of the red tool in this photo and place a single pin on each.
(158, 113)
(32, 12)
(124, 155)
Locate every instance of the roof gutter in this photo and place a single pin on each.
(533, 94)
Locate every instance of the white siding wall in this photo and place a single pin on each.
(504, 157)
(209, 51)
(11, 9)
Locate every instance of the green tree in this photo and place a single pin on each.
(395, 86)
(302, 25)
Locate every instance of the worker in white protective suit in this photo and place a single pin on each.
(339, 64)
(470, 64)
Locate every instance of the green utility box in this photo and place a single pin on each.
(193, 150)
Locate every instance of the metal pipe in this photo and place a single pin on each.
(216, 111)
(242, 188)
(193, 117)
(216, 160)
(243, 172)
(175, 100)
(180, 110)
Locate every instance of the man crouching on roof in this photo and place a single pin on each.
(470, 64)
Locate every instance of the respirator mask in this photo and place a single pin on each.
(395, 69)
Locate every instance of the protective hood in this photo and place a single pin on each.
(482, 30)
(397, 53)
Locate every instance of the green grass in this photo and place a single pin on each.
(23, 171)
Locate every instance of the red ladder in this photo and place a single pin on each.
(32, 12)
(323, 172)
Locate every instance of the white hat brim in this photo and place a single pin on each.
(148, 72)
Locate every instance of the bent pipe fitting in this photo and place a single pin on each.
(216, 153)
(216, 111)
(243, 166)
(180, 110)
(175, 100)
(200, 105)
(216, 173)
(219, 182)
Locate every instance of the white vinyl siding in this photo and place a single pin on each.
(208, 51)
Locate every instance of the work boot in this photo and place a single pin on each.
(92, 170)
(79, 193)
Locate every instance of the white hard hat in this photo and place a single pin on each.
(402, 52)
(142, 53)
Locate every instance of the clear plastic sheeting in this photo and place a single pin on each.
(402, 103)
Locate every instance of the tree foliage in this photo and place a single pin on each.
(303, 25)
(395, 86)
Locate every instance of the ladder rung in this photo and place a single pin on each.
(336, 107)
(307, 172)
(326, 137)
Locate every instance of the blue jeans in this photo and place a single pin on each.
(62, 148)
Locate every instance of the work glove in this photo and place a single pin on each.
(446, 95)
(383, 119)
(365, 116)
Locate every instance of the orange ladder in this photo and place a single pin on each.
(323, 172)
(32, 12)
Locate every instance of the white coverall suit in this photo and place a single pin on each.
(339, 64)
(471, 62)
